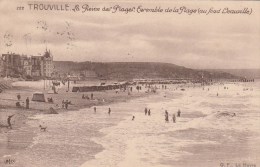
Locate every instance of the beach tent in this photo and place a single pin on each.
(38, 97)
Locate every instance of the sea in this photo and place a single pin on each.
(219, 125)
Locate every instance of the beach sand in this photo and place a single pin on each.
(21, 136)
(206, 134)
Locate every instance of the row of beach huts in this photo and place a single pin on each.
(124, 85)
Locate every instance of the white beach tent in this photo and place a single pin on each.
(38, 96)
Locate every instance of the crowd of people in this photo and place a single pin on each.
(173, 116)
(66, 103)
(147, 112)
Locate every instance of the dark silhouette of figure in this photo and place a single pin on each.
(19, 97)
(179, 113)
(149, 112)
(66, 104)
(17, 104)
(9, 121)
(91, 96)
(145, 111)
(95, 109)
(109, 111)
(173, 118)
(133, 118)
(50, 100)
(166, 116)
(27, 103)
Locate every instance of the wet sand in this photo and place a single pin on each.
(206, 134)
(16, 141)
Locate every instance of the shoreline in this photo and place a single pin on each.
(86, 137)
(193, 132)
(22, 115)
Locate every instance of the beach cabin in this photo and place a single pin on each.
(39, 97)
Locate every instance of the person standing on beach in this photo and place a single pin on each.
(133, 118)
(66, 104)
(9, 121)
(149, 112)
(27, 103)
(109, 111)
(166, 116)
(95, 109)
(179, 113)
(86, 97)
(91, 96)
(145, 111)
(173, 118)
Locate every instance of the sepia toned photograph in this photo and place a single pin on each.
(129, 83)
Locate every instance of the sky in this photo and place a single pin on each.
(213, 41)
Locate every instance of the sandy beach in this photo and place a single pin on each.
(206, 134)
(21, 136)
(130, 83)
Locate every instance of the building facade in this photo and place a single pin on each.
(35, 66)
(12, 64)
(47, 64)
